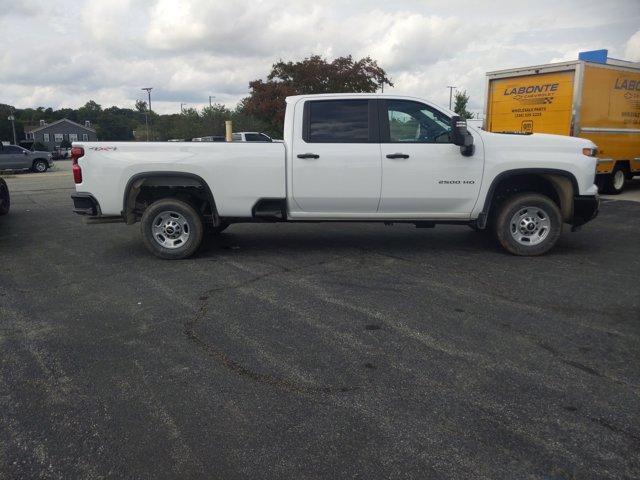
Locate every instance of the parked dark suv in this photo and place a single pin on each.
(5, 200)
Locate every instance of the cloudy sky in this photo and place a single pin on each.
(63, 53)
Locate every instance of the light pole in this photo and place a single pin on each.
(12, 119)
(148, 89)
(450, 95)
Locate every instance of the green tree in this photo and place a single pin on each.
(90, 111)
(461, 99)
(141, 106)
(266, 101)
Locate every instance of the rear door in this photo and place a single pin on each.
(336, 160)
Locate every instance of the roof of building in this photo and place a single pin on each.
(35, 128)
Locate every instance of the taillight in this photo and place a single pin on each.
(76, 153)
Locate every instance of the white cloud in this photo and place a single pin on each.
(632, 50)
(67, 52)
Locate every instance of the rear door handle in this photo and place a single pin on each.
(308, 155)
(398, 155)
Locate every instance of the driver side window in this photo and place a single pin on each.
(414, 122)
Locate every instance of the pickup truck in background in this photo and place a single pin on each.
(13, 157)
(345, 157)
(251, 137)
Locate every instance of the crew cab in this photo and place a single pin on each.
(345, 157)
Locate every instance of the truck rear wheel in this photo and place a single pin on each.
(171, 229)
(613, 183)
(528, 224)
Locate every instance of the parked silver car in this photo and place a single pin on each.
(13, 157)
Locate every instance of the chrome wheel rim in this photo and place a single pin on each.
(530, 226)
(40, 167)
(618, 180)
(170, 230)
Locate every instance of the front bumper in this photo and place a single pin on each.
(585, 209)
(85, 204)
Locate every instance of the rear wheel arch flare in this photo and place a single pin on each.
(166, 179)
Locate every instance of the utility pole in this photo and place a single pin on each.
(12, 119)
(148, 89)
(146, 123)
(210, 97)
(450, 95)
(182, 107)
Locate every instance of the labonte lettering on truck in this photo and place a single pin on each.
(594, 97)
(345, 157)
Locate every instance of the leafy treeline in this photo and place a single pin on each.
(262, 110)
(115, 123)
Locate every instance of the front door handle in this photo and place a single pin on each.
(308, 155)
(398, 155)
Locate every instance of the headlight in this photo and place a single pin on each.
(590, 152)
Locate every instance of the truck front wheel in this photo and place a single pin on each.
(528, 224)
(171, 229)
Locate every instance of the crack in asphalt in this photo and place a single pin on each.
(223, 358)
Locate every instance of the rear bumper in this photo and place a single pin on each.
(585, 209)
(85, 204)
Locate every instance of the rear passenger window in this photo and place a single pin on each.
(338, 121)
(255, 137)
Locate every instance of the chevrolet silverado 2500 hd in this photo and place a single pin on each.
(345, 157)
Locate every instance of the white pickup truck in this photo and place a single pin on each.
(345, 157)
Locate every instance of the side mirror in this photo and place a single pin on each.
(460, 136)
(25, 152)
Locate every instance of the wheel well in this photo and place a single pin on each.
(624, 164)
(144, 189)
(557, 186)
(39, 158)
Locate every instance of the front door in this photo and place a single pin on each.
(11, 157)
(423, 172)
(336, 159)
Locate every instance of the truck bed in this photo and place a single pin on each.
(238, 173)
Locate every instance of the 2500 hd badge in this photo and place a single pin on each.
(457, 182)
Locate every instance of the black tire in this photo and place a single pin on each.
(532, 208)
(5, 198)
(40, 166)
(183, 217)
(613, 184)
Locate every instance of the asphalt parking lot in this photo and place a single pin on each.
(315, 351)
